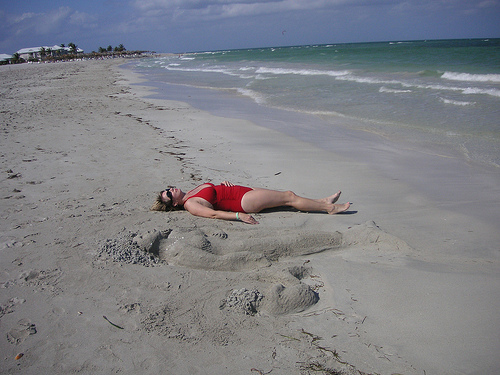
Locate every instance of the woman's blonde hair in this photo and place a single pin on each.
(159, 205)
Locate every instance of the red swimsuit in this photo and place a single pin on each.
(224, 198)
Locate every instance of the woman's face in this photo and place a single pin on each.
(170, 195)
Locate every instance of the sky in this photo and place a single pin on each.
(207, 25)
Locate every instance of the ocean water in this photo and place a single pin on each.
(442, 95)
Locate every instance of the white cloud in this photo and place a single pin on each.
(51, 21)
(214, 9)
(23, 17)
(209, 10)
(50, 27)
(83, 19)
(55, 20)
(488, 3)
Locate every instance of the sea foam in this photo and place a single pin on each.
(456, 102)
(304, 72)
(467, 77)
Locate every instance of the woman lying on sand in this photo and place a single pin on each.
(226, 199)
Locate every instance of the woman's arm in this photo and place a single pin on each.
(197, 209)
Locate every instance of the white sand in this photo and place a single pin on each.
(397, 285)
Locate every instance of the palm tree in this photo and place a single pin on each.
(43, 53)
(73, 48)
(16, 58)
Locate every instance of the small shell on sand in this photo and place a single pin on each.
(19, 356)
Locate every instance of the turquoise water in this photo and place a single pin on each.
(441, 94)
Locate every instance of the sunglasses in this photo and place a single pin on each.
(169, 193)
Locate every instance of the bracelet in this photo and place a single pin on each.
(237, 216)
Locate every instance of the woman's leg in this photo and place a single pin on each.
(259, 199)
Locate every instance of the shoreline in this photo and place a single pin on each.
(83, 154)
(441, 179)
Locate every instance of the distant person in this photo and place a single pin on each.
(224, 200)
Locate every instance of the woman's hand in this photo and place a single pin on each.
(246, 218)
(227, 183)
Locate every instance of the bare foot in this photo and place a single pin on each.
(338, 208)
(334, 198)
(331, 199)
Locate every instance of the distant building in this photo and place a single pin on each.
(35, 52)
(4, 57)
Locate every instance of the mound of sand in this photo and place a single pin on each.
(211, 248)
(235, 249)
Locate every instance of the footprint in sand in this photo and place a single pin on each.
(24, 329)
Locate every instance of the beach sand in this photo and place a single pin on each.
(93, 282)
